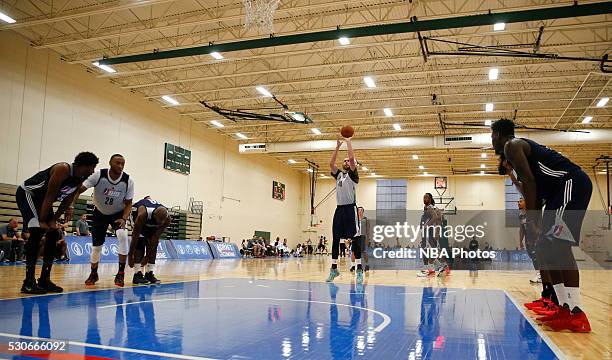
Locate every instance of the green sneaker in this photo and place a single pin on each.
(359, 276)
(333, 273)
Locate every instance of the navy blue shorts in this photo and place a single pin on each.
(346, 222)
(563, 214)
(100, 225)
(30, 207)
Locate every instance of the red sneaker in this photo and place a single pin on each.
(574, 322)
(548, 309)
(537, 303)
(562, 312)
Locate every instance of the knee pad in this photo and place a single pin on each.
(124, 242)
(95, 254)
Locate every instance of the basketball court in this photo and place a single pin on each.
(226, 115)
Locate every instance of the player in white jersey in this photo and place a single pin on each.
(113, 194)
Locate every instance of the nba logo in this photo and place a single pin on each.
(558, 230)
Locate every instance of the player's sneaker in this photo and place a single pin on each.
(49, 286)
(352, 269)
(151, 278)
(119, 279)
(359, 289)
(139, 279)
(442, 270)
(359, 276)
(536, 279)
(31, 287)
(426, 273)
(91, 280)
(575, 322)
(366, 268)
(333, 273)
(547, 309)
(537, 303)
(561, 312)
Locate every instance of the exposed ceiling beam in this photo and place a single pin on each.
(379, 42)
(75, 15)
(224, 19)
(373, 30)
(464, 68)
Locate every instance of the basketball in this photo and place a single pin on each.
(347, 131)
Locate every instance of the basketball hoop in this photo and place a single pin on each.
(260, 14)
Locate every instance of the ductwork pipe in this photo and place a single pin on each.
(595, 136)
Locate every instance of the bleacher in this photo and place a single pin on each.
(184, 225)
(8, 206)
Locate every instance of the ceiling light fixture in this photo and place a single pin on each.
(369, 82)
(262, 90)
(170, 100)
(499, 26)
(216, 55)
(603, 102)
(217, 124)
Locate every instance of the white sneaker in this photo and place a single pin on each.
(536, 279)
(426, 273)
(441, 270)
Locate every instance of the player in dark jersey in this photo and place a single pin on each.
(35, 199)
(524, 243)
(430, 220)
(150, 219)
(548, 179)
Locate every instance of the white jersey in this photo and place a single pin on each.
(108, 194)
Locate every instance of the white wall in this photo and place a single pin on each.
(54, 110)
(472, 194)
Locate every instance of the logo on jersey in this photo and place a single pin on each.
(112, 192)
(64, 192)
(558, 230)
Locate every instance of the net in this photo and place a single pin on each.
(259, 14)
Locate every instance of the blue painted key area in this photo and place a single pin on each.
(267, 319)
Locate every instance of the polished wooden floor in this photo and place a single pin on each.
(595, 284)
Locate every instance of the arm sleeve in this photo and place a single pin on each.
(335, 175)
(92, 180)
(129, 195)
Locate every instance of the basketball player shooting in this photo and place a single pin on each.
(346, 223)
